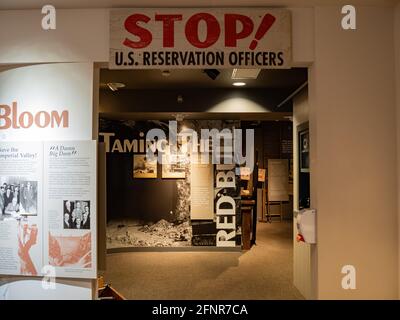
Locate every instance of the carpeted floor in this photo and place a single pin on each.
(264, 272)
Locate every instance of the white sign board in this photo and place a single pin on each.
(200, 38)
(278, 180)
(201, 192)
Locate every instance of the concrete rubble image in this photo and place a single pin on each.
(160, 234)
(155, 212)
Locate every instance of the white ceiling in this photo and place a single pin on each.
(71, 4)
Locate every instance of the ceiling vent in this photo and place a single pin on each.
(239, 74)
(114, 86)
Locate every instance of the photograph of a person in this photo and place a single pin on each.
(17, 197)
(76, 214)
(144, 168)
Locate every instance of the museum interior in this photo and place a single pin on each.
(114, 115)
(174, 222)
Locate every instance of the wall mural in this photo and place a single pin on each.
(148, 204)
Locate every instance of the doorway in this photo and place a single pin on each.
(139, 99)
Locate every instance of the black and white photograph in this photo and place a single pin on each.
(76, 214)
(18, 196)
(144, 168)
(174, 167)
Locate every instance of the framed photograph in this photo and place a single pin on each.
(174, 169)
(304, 151)
(245, 173)
(144, 168)
(261, 175)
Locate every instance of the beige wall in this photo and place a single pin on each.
(302, 262)
(397, 62)
(353, 156)
(300, 115)
(83, 35)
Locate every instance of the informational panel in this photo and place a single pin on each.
(70, 208)
(41, 102)
(278, 180)
(201, 192)
(48, 208)
(21, 208)
(200, 38)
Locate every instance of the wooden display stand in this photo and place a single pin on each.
(271, 215)
(247, 208)
(278, 181)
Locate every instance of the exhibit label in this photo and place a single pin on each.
(200, 38)
(48, 217)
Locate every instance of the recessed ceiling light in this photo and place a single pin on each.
(114, 86)
(239, 84)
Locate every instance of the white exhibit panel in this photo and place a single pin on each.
(46, 102)
(201, 188)
(39, 290)
(21, 208)
(278, 180)
(39, 103)
(70, 208)
(48, 208)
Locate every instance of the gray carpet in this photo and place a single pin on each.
(264, 272)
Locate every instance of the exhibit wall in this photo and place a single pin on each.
(353, 158)
(397, 63)
(48, 170)
(301, 251)
(153, 204)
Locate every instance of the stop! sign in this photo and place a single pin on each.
(199, 38)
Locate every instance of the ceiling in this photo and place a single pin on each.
(289, 79)
(259, 116)
(71, 4)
